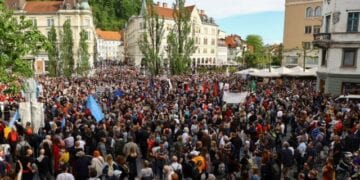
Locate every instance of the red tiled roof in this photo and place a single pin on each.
(42, 6)
(231, 41)
(109, 35)
(168, 12)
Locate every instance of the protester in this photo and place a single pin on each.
(281, 129)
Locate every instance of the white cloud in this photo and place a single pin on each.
(225, 8)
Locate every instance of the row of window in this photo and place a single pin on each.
(51, 22)
(352, 22)
(205, 51)
(205, 42)
(312, 29)
(313, 12)
(349, 57)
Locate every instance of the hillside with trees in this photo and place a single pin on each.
(113, 14)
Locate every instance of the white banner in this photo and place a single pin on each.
(234, 98)
(25, 114)
(35, 115)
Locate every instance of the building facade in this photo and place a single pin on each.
(236, 48)
(339, 43)
(302, 20)
(45, 14)
(109, 45)
(204, 31)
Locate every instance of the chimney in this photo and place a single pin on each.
(158, 4)
(202, 12)
(165, 5)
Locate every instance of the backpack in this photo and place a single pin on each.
(178, 170)
(119, 146)
(221, 169)
(194, 170)
(13, 137)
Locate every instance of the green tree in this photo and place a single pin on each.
(256, 42)
(53, 53)
(180, 45)
(150, 41)
(66, 50)
(113, 14)
(83, 67)
(256, 57)
(18, 37)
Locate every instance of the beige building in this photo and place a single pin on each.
(45, 14)
(302, 20)
(203, 30)
(109, 45)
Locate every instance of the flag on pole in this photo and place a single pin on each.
(119, 93)
(253, 86)
(94, 108)
(14, 118)
(216, 88)
(63, 123)
(170, 85)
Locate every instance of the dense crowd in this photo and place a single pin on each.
(180, 128)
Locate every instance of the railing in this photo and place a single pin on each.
(322, 37)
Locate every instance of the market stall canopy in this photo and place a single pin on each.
(247, 71)
(265, 73)
(299, 72)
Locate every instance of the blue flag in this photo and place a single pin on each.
(63, 122)
(14, 118)
(94, 108)
(119, 93)
(37, 90)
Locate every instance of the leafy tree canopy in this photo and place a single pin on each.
(18, 38)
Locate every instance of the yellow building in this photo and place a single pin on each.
(45, 14)
(302, 20)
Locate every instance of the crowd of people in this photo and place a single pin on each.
(180, 128)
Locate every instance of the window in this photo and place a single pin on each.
(311, 60)
(205, 41)
(349, 57)
(212, 51)
(205, 51)
(309, 12)
(307, 29)
(34, 21)
(318, 11)
(316, 29)
(87, 22)
(353, 22)
(213, 42)
(306, 45)
(50, 21)
(323, 57)
(327, 24)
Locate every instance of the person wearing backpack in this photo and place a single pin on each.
(109, 168)
(13, 139)
(176, 166)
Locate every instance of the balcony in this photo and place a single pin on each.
(322, 40)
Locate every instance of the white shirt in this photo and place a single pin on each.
(185, 137)
(65, 176)
(81, 144)
(302, 149)
(69, 142)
